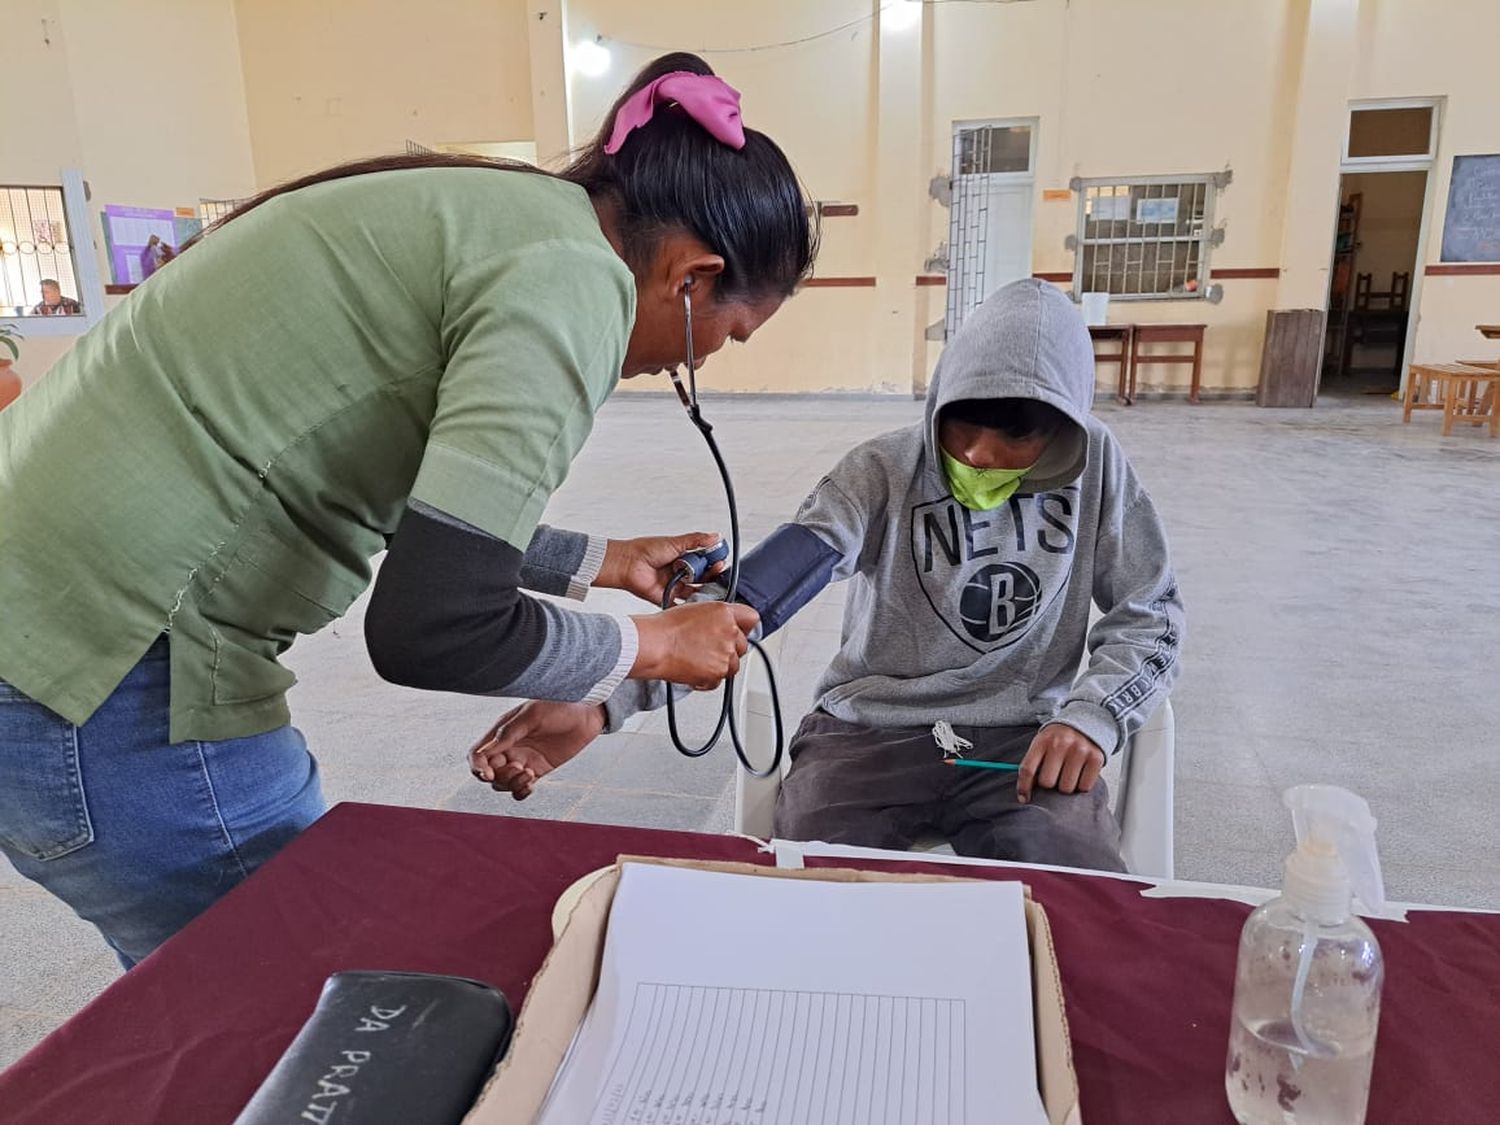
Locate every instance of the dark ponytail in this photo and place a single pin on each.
(745, 205)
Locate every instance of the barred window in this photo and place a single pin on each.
(1145, 237)
(210, 211)
(35, 247)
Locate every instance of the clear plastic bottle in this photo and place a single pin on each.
(1308, 981)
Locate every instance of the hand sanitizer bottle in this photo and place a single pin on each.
(1307, 986)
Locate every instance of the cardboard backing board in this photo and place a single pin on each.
(563, 987)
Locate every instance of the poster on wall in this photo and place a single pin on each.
(140, 239)
(1156, 210)
(1108, 208)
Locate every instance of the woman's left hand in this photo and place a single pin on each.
(645, 566)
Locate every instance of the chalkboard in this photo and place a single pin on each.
(1471, 233)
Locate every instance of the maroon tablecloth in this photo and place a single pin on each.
(190, 1033)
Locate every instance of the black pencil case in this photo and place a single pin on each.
(387, 1049)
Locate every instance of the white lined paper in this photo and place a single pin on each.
(741, 1000)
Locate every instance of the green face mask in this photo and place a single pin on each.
(980, 490)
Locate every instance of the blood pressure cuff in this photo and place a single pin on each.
(785, 571)
(387, 1049)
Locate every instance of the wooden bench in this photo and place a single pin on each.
(1463, 392)
(1123, 333)
(1146, 334)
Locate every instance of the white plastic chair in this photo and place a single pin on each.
(1142, 787)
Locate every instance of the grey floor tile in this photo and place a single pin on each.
(1227, 761)
(721, 819)
(552, 800)
(19, 1032)
(1224, 865)
(66, 962)
(1213, 818)
(1376, 766)
(369, 783)
(650, 761)
(646, 810)
(1470, 885)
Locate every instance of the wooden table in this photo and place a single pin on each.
(1146, 334)
(1463, 392)
(1489, 331)
(188, 1034)
(1124, 333)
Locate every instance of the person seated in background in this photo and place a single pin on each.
(53, 303)
(977, 542)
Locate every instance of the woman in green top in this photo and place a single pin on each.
(403, 355)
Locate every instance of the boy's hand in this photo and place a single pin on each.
(531, 741)
(1060, 758)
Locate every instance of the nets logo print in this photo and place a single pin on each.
(986, 601)
(999, 601)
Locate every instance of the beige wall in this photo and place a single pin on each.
(1263, 91)
(41, 129)
(81, 95)
(1407, 51)
(1092, 71)
(816, 100)
(326, 82)
(145, 97)
(246, 92)
(159, 100)
(1065, 63)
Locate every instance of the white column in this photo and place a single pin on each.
(1311, 201)
(900, 195)
(551, 116)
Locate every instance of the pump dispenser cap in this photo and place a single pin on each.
(1335, 852)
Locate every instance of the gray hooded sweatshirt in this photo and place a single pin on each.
(982, 618)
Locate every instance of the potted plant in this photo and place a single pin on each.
(10, 382)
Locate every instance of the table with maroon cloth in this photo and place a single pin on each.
(190, 1033)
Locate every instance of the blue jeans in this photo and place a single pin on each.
(137, 834)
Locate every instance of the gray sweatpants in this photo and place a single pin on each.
(852, 784)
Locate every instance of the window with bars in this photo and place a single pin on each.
(1145, 237)
(210, 211)
(37, 271)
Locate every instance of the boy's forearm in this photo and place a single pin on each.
(1134, 662)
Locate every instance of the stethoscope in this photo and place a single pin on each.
(691, 568)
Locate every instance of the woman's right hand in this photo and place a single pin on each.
(699, 644)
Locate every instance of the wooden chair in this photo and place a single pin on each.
(1378, 319)
(1362, 284)
(1400, 294)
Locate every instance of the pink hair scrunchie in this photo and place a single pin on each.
(706, 98)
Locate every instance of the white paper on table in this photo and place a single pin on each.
(730, 999)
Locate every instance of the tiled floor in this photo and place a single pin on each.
(1342, 576)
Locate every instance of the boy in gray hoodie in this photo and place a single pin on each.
(976, 543)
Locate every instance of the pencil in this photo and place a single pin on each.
(978, 765)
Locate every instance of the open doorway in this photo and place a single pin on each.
(1383, 202)
(1369, 299)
